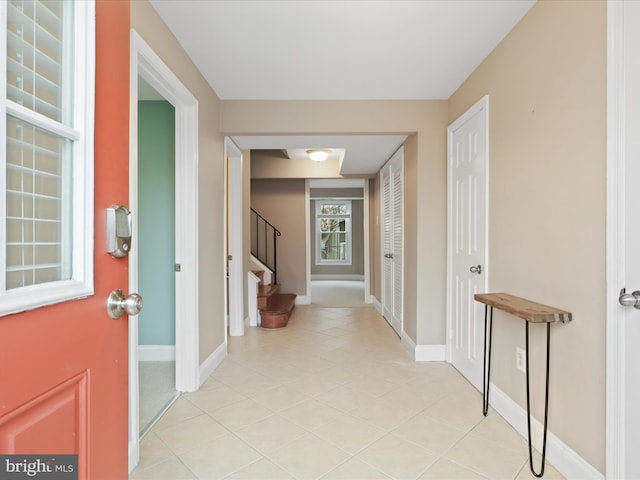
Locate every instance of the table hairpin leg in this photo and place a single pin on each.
(486, 367)
(546, 403)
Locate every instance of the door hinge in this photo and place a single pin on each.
(230, 257)
(177, 267)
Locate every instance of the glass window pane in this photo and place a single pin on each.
(334, 209)
(38, 205)
(39, 55)
(333, 246)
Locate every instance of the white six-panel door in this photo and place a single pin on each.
(467, 246)
(392, 240)
(623, 239)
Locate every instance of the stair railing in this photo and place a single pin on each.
(264, 241)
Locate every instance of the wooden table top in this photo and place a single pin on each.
(525, 309)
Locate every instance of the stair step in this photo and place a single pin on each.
(277, 311)
(259, 274)
(264, 292)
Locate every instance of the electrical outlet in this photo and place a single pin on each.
(521, 360)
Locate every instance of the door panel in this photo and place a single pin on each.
(63, 409)
(467, 220)
(387, 286)
(64, 367)
(392, 241)
(631, 255)
(398, 236)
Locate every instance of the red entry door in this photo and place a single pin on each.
(63, 368)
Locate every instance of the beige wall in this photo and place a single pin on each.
(425, 192)
(546, 83)
(282, 203)
(148, 24)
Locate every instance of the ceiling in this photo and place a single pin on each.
(361, 154)
(338, 50)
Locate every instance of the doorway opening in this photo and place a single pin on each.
(156, 258)
(147, 65)
(338, 242)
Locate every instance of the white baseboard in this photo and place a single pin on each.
(373, 301)
(212, 362)
(303, 300)
(561, 456)
(430, 353)
(156, 353)
(333, 276)
(423, 353)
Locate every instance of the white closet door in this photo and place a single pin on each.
(387, 286)
(392, 240)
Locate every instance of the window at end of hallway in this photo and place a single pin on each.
(333, 232)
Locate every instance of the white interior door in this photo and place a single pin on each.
(467, 245)
(623, 239)
(234, 239)
(392, 240)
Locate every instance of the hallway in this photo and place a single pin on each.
(333, 395)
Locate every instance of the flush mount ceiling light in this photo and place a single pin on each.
(318, 155)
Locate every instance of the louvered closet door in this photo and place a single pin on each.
(387, 286)
(398, 237)
(392, 240)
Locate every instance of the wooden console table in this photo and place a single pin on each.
(530, 312)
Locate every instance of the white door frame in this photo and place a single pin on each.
(310, 216)
(235, 284)
(145, 63)
(616, 449)
(479, 106)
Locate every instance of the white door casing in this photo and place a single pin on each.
(391, 180)
(623, 239)
(468, 154)
(146, 64)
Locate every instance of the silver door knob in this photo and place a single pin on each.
(476, 269)
(117, 304)
(629, 299)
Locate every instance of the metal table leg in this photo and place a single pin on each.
(546, 403)
(486, 366)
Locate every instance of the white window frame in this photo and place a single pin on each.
(349, 232)
(80, 132)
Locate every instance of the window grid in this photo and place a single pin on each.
(35, 56)
(333, 239)
(34, 207)
(38, 187)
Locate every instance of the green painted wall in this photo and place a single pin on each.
(156, 221)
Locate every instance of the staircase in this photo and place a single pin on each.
(275, 307)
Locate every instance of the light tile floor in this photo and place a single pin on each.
(331, 396)
(157, 389)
